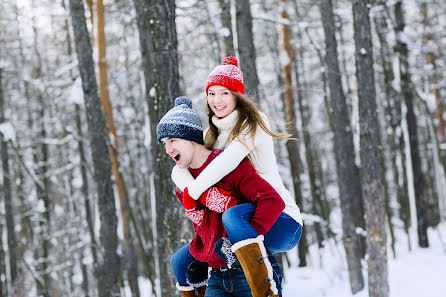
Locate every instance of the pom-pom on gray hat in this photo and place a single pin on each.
(181, 122)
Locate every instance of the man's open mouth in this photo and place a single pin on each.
(176, 158)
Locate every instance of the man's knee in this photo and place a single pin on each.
(175, 258)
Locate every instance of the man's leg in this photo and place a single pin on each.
(216, 287)
(181, 263)
(240, 285)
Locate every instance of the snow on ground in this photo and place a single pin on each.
(415, 273)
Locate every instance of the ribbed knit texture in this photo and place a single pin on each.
(225, 126)
(227, 75)
(181, 122)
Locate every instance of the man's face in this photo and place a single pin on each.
(180, 150)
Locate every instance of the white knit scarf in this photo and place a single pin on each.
(225, 126)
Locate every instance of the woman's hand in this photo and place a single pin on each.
(217, 199)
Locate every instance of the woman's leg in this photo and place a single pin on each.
(236, 221)
(283, 235)
(251, 248)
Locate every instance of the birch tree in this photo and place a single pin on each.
(431, 50)
(372, 187)
(411, 120)
(8, 202)
(348, 180)
(393, 113)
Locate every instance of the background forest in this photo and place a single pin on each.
(87, 205)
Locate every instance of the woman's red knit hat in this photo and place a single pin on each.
(227, 75)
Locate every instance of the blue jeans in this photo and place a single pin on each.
(283, 235)
(232, 282)
(180, 261)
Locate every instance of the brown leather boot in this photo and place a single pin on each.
(253, 258)
(191, 291)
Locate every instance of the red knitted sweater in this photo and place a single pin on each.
(245, 184)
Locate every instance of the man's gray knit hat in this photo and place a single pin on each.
(181, 122)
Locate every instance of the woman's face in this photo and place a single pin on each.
(221, 101)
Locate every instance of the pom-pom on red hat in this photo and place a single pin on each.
(227, 75)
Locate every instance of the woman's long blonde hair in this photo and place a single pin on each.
(248, 120)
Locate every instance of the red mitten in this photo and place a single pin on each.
(188, 202)
(217, 199)
(199, 217)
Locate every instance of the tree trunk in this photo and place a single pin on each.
(411, 119)
(3, 280)
(84, 176)
(40, 159)
(109, 271)
(246, 48)
(389, 212)
(393, 113)
(85, 190)
(141, 209)
(158, 42)
(226, 22)
(272, 35)
(290, 118)
(131, 267)
(433, 213)
(319, 208)
(348, 181)
(434, 79)
(27, 231)
(370, 153)
(90, 5)
(9, 213)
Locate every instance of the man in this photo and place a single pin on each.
(181, 132)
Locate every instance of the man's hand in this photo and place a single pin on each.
(199, 217)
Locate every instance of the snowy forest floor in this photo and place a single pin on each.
(415, 273)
